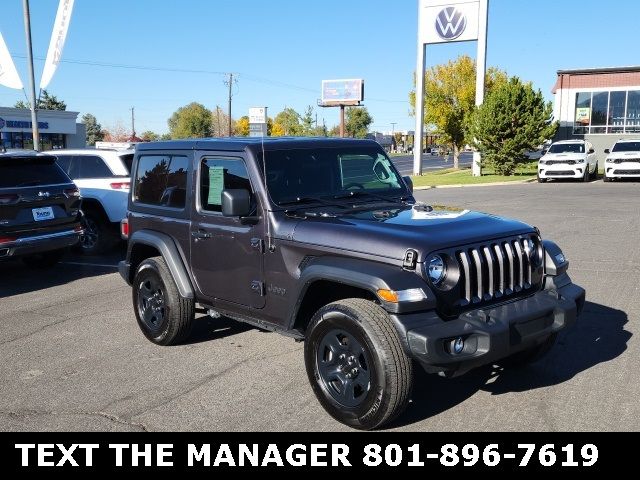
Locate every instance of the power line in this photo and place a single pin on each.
(248, 77)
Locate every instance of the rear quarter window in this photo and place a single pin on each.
(161, 180)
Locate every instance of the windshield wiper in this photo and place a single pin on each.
(359, 193)
(307, 200)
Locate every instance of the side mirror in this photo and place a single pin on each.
(409, 183)
(607, 151)
(544, 152)
(592, 150)
(236, 203)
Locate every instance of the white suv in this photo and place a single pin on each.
(623, 160)
(103, 177)
(568, 159)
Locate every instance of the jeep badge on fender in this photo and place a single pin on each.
(322, 240)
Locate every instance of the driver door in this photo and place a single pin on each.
(226, 253)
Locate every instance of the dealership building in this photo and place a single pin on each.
(600, 105)
(58, 129)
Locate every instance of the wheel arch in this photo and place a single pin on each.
(145, 244)
(328, 279)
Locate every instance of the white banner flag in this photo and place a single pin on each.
(8, 74)
(58, 37)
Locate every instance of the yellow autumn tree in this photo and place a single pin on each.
(450, 98)
(242, 126)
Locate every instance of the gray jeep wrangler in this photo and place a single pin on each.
(322, 240)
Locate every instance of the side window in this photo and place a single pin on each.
(64, 161)
(218, 174)
(161, 180)
(91, 166)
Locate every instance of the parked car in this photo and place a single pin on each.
(103, 177)
(568, 159)
(39, 209)
(323, 241)
(623, 160)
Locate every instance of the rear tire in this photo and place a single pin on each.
(356, 364)
(44, 260)
(164, 316)
(530, 355)
(99, 235)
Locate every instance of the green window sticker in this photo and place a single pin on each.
(216, 185)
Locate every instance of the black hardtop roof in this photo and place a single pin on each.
(237, 144)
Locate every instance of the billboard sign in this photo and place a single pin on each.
(342, 92)
(443, 21)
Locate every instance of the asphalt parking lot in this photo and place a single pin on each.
(73, 358)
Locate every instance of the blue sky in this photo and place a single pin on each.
(282, 49)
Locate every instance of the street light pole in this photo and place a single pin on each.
(34, 111)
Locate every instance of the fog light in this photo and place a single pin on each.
(457, 346)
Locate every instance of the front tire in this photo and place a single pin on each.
(356, 365)
(587, 175)
(164, 316)
(607, 179)
(541, 180)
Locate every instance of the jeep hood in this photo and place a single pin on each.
(390, 232)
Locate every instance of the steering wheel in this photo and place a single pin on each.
(354, 185)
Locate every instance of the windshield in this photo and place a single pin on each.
(626, 147)
(328, 172)
(567, 148)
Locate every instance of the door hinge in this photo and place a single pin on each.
(258, 287)
(258, 244)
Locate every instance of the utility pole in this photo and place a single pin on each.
(219, 131)
(393, 128)
(230, 96)
(133, 122)
(34, 111)
(341, 121)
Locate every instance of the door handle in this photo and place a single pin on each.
(200, 235)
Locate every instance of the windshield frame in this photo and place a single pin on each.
(288, 203)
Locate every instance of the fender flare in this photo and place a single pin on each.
(169, 252)
(366, 275)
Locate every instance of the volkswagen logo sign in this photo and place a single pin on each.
(2, 123)
(450, 23)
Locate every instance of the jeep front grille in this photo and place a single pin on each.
(497, 270)
(626, 160)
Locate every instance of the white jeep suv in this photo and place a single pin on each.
(623, 160)
(103, 177)
(568, 159)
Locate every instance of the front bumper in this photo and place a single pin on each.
(562, 171)
(493, 333)
(621, 170)
(40, 243)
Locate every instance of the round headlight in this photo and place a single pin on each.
(436, 269)
(534, 252)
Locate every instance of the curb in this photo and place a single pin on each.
(496, 184)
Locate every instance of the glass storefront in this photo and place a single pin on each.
(607, 112)
(48, 141)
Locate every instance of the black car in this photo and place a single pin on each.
(322, 240)
(39, 209)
